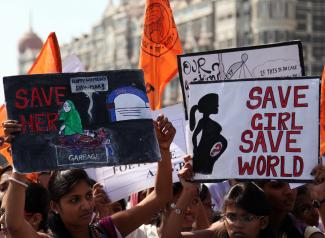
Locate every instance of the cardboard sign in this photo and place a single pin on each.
(264, 61)
(255, 129)
(80, 120)
(121, 181)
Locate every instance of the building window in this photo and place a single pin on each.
(265, 39)
(286, 10)
(301, 26)
(263, 9)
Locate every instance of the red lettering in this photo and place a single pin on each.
(246, 168)
(296, 160)
(290, 141)
(298, 96)
(27, 125)
(252, 96)
(36, 96)
(284, 99)
(60, 95)
(269, 121)
(52, 118)
(39, 120)
(269, 97)
(272, 162)
(293, 123)
(49, 98)
(260, 141)
(258, 126)
(261, 165)
(21, 95)
(275, 148)
(283, 117)
(283, 173)
(247, 141)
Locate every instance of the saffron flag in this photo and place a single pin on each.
(49, 59)
(322, 116)
(159, 47)
(4, 146)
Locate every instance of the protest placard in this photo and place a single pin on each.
(120, 181)
(80, 120)
(255, 128)
(263, 61)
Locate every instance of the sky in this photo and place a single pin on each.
(67, 18)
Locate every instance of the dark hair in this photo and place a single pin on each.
(302, 191)
(122, 202)
(203, 192)
(249, 197)
(37, 201)
(208, 104)
(177, 188)
(60, 184)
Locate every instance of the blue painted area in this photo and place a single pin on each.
(124, 90)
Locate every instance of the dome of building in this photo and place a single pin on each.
(29, 41)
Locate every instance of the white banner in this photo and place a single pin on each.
(120, 181)
(257, 129)
(264, 61)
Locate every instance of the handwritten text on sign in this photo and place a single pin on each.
(273, 129)
(269, 127)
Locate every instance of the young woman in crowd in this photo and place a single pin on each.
(304, 210)
(72, 198)
(245, 212)
(282, 223)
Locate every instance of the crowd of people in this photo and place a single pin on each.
(68, 203)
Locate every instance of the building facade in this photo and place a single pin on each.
(203, 25)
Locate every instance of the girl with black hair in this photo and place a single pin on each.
(72, 199)
(245, 212)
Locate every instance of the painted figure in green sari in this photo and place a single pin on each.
(71, 119)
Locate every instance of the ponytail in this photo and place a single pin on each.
(192, 117)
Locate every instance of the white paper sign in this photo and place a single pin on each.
(264, 61)
(120, 181)
(256, 129)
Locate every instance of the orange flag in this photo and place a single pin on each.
(159, 47)
(49, 59)
(3, 117)
(322, 116)
(4, 147)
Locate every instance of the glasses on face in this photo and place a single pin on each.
(233, 217)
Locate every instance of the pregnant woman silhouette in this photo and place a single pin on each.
(212, 144)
